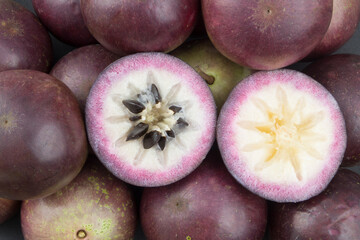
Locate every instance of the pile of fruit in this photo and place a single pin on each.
(181, 117)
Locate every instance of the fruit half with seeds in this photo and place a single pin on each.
(282, 135)
(150, 119)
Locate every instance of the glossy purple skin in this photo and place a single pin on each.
(42, 135)
(80, 68)
(8, 208)
(340, 75)
(344, 21)
(333, 214)
(24, 41)
(95, 202)
(127, 26)
(206, 205)
(266, 35)
(63, 19)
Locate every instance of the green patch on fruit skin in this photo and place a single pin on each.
(88, 227)
(106, 227)
(220, 73)
(188, 237)
(11, 28)
(8, 122)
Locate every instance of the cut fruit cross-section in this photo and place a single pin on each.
(150, 118)
(282, 135)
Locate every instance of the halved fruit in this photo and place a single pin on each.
(150, 119)
(282, 135)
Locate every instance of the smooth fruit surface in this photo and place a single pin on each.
(150, 119)
(340, 74)
(282, 135)
(42, 135)
(220, 73)
(24, 41)
(63, 19)
(94, 206)
(333, 214)
(206, 205)
(127, 26)
(79, 69)
(344, 21)
(264, 34)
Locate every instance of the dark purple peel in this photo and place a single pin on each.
(140, 26)
(208, 204)
(266, 35)
(333, 214)
(63, 19)
(79, 69)
(24, 41)
(43, 141)
(340, 75)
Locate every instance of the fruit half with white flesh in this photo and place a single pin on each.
(281, 135)
(150, 119)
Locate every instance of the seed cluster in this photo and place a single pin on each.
(154, 121)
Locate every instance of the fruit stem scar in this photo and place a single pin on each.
(81, 234)
(209, 79)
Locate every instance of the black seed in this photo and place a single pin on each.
(162, 143)
(151, 138)
(155, 93)
(138, 131)
(182, 123)
(134, 118)
(170, 133)
(134, 106)
(175, 109)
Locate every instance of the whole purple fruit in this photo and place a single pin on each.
(63, 18)
(127, 26)
(340, 75)
(266, 34)
(79, 69)
(333, 214)
(42, 135)
(24, 41)
(206, 205)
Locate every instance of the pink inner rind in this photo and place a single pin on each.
(236, 163)
(95, 120)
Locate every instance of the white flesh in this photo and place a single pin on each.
(284, 134)
(173, 92)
